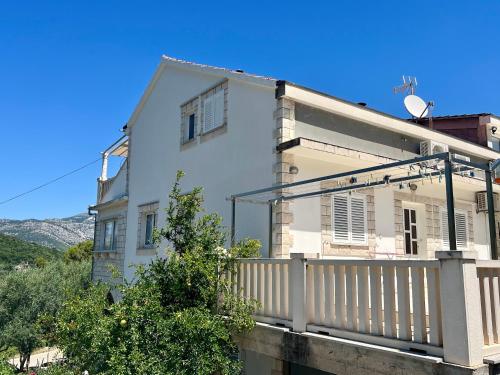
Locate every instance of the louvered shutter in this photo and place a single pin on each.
(208, 114)
(358, 220)
(444, 229)
(219, 108)
(461, 227)
(340, 218)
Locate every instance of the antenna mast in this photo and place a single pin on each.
(413, 104)
(409, 84)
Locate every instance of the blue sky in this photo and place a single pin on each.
(71, 73)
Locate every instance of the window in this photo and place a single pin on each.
(189, 127)
(109, 235)
(150, 225)
(461, 228)
(213, 111)
(410, 231)
(349, 219)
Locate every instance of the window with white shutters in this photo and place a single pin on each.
(461, 228)
(349, 219)
(213, 111)
(208, 113)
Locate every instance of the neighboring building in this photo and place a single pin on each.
(479, 128)
(232, 132)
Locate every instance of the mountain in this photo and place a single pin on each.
(53, 233)
(14, 251)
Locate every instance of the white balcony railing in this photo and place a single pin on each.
(432, 306)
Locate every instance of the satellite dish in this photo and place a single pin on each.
(416, 106)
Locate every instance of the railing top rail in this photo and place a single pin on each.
(375, 262)
(264, 260)
(488, 263)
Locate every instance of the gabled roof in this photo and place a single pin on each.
(166, 61)
(318, 99)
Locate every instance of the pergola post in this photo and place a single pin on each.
(491, 214)
(450, 202)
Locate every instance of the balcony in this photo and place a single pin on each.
(448, 307)
(112, 188)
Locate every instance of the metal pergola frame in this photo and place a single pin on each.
(446, 157)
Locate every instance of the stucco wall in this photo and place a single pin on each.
(238, 159)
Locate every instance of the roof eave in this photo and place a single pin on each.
(355, 111)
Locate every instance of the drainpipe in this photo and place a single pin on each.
(94, 214)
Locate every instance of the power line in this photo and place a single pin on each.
(49, 182)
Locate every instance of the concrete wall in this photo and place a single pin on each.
(231, 160)
(330, 128)
(118, 186)
(308, 353)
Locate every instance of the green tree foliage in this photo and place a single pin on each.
(80, 252)
(178, 317)
(5, 368)
(14, 251)
(27, 296)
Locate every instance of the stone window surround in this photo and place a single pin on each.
(142, 211)
(120, 222)
(195, 105)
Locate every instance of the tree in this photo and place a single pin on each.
(27, 296)
(80, 252)
(5, 368)
(178, 316)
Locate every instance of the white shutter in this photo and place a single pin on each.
(219, 108)
(358, 220)
(444, 230)
(208, 114)
(460, 229)
(340, 218)
(461, 225)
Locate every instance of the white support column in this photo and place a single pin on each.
(298, 290)
(104, 169)
(461, 308)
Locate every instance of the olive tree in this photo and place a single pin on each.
(27, 296)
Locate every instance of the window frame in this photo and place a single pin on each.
(144, 240)
(112, 246)
(445, 244)
(350, 240)
(186, 126)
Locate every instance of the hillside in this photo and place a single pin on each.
(54, 233)
(14, 251)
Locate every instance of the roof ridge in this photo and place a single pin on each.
(222, 69)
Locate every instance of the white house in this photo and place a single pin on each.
(231, 132)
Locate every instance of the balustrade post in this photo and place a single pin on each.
(298, 290)
(461, 308)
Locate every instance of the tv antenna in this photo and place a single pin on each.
(415, 105)
(409, 84)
